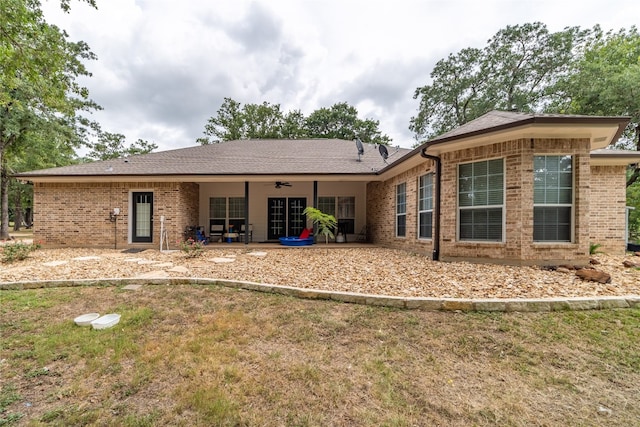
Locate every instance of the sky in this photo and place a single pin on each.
(164, 67)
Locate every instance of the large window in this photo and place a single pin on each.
(343, 208)
(227, 211)
(425, 206)
(552, 198)
(401, 210)
(481, 200)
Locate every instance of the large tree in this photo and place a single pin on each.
(341, 121)
(606, 81)
(114, 145)
(39, 92)
(515, 71)
(251, 121)
(264, 121)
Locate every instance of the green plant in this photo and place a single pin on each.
(325, 223)
(192, 248)
(593, 248)
(17, 251)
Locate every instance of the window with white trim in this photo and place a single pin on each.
(425, 206)
(481, 200)
(552, 198)
(401, 210)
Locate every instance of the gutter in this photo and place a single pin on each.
(436, 209)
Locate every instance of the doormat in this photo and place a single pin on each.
(132, 251)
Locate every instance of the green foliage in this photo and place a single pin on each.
(267, 121)
(633, 200)
(40, 98)
(16, 251)
(341, 121)
(514, 71)
(192, 248)
(113, 146)
(325, 223)
(593, 248)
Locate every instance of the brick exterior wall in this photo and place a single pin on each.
(608, 208)
(518, 247)
(77, 214)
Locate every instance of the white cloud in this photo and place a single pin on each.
(164, 66)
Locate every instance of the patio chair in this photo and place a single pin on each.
(243, 232)
(216, 232)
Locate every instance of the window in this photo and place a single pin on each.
(401, 210)
(218, 213)
(342, 208)
(425, 206)
(552, 198)
(481, 200)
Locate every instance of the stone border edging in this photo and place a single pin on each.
(414, 303)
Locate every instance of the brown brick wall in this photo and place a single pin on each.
(518, 246)
(608, 208)
(77, 214)
(381, 210)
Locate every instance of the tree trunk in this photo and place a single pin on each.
(18, 218)
(4, 201)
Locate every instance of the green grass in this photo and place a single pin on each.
(203, 355)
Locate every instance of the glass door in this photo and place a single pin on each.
(142, 218)
(277, 217)
(297, 220)
(285, 217)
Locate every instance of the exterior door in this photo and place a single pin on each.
(285, 216)
(296, 220)
(277, 217)
(142, 217)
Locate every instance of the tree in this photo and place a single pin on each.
(253, 121)
(515, 71)
(39, 93)
(265, 121)
(114, 146)
(606, 82)
(341, 121)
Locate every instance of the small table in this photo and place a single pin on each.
(230, 236)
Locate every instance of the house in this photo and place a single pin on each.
(507, 187)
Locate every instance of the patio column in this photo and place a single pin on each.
(246, 213)
(315, 194)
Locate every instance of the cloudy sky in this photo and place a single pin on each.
(165, 66)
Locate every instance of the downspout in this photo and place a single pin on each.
(436, 209)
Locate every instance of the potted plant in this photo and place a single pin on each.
(325, 223)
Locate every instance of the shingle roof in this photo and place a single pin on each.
(245, 157)
(498, 120)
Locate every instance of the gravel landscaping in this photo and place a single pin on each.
(369, 270)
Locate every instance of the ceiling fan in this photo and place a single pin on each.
(280, 184)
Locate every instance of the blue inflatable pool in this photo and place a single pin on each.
(296, 241)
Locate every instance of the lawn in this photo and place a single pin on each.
(207, 355)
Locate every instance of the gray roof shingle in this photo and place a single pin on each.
(243, 157)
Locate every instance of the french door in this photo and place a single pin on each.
(285, 217)
(142, 217)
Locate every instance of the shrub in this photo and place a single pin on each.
(593, 248)
(17, 251)
(192, 248)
